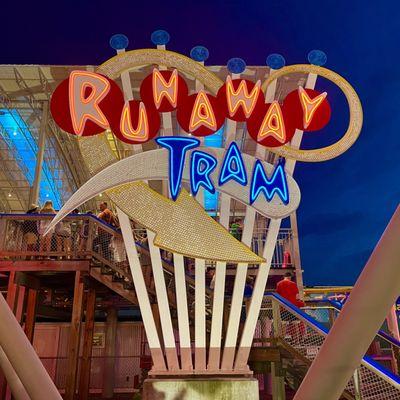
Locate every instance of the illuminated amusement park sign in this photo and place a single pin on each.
(88, 103)
(96, 103)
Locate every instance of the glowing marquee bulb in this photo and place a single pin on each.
(84, 107)
(163, 89)
(241, 97)
(141, 133)
(273, 124)
(309, 106)
(202, 113)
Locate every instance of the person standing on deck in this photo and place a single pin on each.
(104, 237)
(289, 290)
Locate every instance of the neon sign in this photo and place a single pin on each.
(203, 164)
(86, 91)
(241, 97)
(163, 89)
(141, 132)
(260, 183)
(202, 113)
(233, 167)
(309, 105)
(96, 103)
(273, 124)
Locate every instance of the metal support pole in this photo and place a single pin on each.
(356, 378)
(362, 315)
(278, 382)
(111, 334)
(34, 197)
(276, 319)
(17, 388)
(23, 357)
(74, 338)
(84, 376)
(393, 327)
(296, 259)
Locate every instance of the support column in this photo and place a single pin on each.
(23, 357)
(278, 382)
(74, 336)
(200, 334)
(157, 321)
(357, 324)
(34, 197)
(19, 313)
(393, 327)
(111, 333)
(3, 384)
(183, 313)
(17, 388)
(12, 291)
(19, 308)
(84, 378)
(30, 317)
(296, 254)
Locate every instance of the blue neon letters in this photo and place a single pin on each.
(261, 183)
(203, 164)
(233, 167)
(177, 148)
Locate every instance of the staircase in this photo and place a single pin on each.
(99, 245)
(298, 337)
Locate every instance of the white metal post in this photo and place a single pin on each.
(183, 314)
(200, 315)
(141, 293)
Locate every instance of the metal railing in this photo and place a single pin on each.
(283, 255)
(303, 335)
(80, 236)
(384, 349)
(85, 237)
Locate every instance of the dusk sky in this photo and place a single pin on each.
(346, 202)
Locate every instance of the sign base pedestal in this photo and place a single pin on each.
(201, 389)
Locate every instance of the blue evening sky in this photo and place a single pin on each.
(346, 202)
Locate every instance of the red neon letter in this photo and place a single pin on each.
(141, 133)
(241, 97)
(309, 105)
(202, 113)
(85, 107)
(162, 88)
(273, 124)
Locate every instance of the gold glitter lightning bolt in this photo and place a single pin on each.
(181, 226)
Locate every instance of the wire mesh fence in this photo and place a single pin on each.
(384, 349)
(305, 337)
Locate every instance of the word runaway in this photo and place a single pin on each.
(87, 104)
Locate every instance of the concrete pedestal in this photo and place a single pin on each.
(201, 389)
